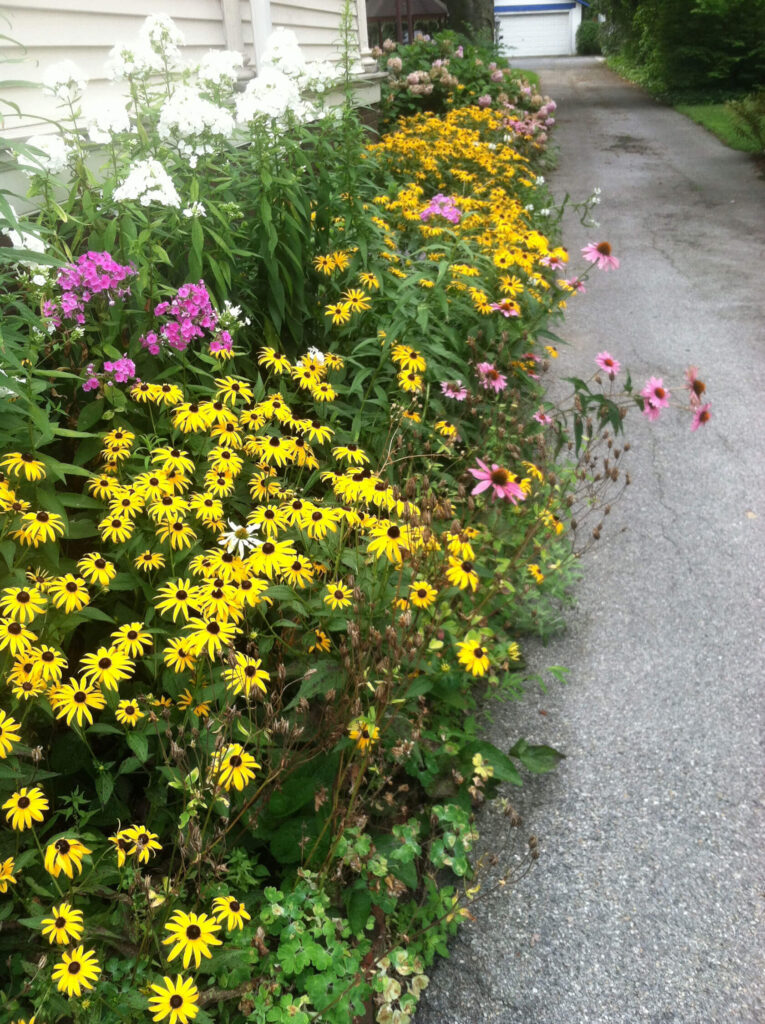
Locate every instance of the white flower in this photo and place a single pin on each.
(160, 34)
(51, 160)
(110, 119)
(219, 68)
(540, 179)
(148, 182)
(317, 354)
(195, 210)
(544, 212)
(320, 75)
(240, 538)
(130, 61)
(64, 80)
(186, 115)
(272, 94)
(283, 51)
(529, 207)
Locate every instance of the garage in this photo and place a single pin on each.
(537, 29)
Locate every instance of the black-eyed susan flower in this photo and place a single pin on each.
(179, 597)
(318, 431)
(40, 527)
(388, 539)
(422, 594)
(76, 700)
(15, 637)
(175, 999)
(220, 600)
(338, 595)
(7, 878)
(229, 389)
(273, 360)
(128, 712)
(107, 667)
(26, 689)
(474, 656)
(461, 573)
(172, 458)
(210, 636)
(192, 935)
(143, 844)
(39, 578)
(168, 506)
(189, 418)
(69, 592)
(350, 453)
(245, 674)
(49, 663)
(230, 911)
(126, 502)
(132, 639)
(177, 532)
(323, 392)
(299, 573)
(122, 846)
(63, 926)
(364, 732)
(272, 557)
(535, 572)
(152, 485)
(25, 807)
(22, 603)
(116, 528)
(272, 519)
(318, 522)
(148, 561)
(76, 971)
(97, 569)
(65, 855)
(251, 592)
(321, 642)
(235, 767)
(24, 464)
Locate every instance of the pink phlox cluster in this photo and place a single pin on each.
(442, 206)
(115, 371)
(188, 316)
(490, 377)
(94, 273)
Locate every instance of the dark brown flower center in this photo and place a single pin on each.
(182, 595)
(132, 635)
(74, 967)
(268, 548)
(14, 629)
(499, 477)
(213, 628)
(604, 248)
(234, 906)
(105, 663)
(394, 532)
(23, 802)
(130, 709)
(193, 932)
(467, 566)
(80, 697)
(175, 1001)
(235, 761)
(42, 517)
(60, 922)
(62, 846)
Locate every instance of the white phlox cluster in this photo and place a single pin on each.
(148, 182)
(65, 81)
(194, 124)
(52, 159)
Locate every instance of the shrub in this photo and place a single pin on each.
(588, 39)
(749, 116)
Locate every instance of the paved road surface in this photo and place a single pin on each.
(647, 902)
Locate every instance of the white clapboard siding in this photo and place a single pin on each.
(84, 31)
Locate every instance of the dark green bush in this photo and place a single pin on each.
(749, 115)
(588, 39)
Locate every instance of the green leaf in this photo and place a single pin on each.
(90, 415)
(504, 769)
(539, 759)
(139, 744)
(359, 908)
(104, 787)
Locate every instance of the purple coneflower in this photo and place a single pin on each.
(599, 253)
(608, 364)
(501, 480)
(454, 389)
(491, 377)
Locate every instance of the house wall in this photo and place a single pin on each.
(85, 30)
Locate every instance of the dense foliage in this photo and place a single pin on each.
(279, 488)
(688, 48)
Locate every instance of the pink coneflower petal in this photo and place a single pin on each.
(655, 393)
(543, 418)
(608, 364)
(599, 253)
(695, 386)
(701, 416)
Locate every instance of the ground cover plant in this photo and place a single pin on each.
(282, 493)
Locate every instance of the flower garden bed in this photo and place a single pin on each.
(282, 492)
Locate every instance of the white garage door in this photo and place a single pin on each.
(535, 35)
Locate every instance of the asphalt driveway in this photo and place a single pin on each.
(647, 901)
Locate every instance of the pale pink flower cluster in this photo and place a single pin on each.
(442, 206)
(94, 273)
(188, 316)
(117, 371)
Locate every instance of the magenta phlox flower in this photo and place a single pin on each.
(506, 307)
(608, 364)
(123, 369)
(490, 377)
(442, 206)
(541, 417)
(454, 389)
(655, 393)
(501, 480)
(115, 371)
(599, 253)
(222, 342)
(188, 315)
(93, 273)
(701, 416)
